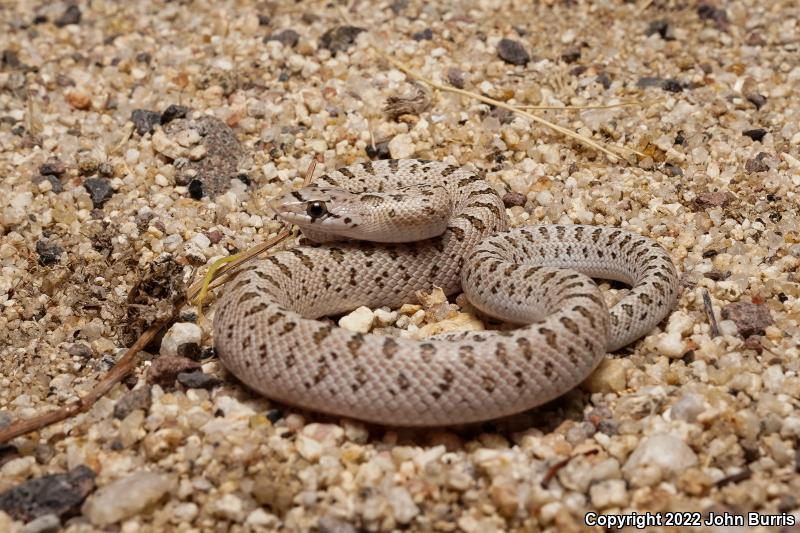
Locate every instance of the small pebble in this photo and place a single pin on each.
(359, 320)
(196, 189)
(512, 52)
(126, 497)
(173, 112)
(48, 523)
(666, 451)
(99, 191)
(340, 38)
(456, 77)
(165, 369)
(750, 318)
(713, 199)
(198, 380)
(138, 398)
(287, 37)
(58, 494)
(72, 15)
(513, 198)
(49, 252)
(401, 146)
(144, 120)
(424, 35)
(756, 134)
(53, 167)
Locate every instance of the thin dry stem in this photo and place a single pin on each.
(564, 131)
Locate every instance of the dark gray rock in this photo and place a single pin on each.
(135, 399)
(99, 190)
(58, 494)
(48, 251)
(340, 38)
(512, 52)
(145, 120)
(198, 380)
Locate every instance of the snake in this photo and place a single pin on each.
(376, 233)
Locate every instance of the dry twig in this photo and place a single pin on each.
(497, 103)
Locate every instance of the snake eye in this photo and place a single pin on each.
(316, 209)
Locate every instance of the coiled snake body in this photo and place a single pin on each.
(266, 332)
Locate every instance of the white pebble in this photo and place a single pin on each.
(126, 497)
(403, 506)
(662, 450)
(359, 320)
(608, 493)
(180, 333)
(672, 345)
(19, 467)
(230, 507)
(401, 146)
(48, 523)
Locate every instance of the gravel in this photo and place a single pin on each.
(124, 128)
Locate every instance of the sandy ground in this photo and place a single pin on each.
(140, 142)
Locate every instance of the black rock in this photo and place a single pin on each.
(145, 120)
(660, 27)
(40, 19)
(604, 80)
(9, 59)
(8, 452)
(512, 52)
(263, 20)
(708, 12)
(756, 134)
(99, 190)
(283, 76)
(424, 35)
(144, 57)
(71, 16)
(288, 38)
(53, 167)
(198, 380)
(379, 151)
(207, 353)
(273, 415)
(196, 189)
(58, 494)
(48, 251)
(571, 55)
(758, 100)
(190, 350)
(172, 112)
(672, 86)
(340, 38)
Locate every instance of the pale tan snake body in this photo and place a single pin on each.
(267, 333)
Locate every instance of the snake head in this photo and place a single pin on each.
(327, 214)
(322, 213)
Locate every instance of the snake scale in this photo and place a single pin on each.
(267, 332)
